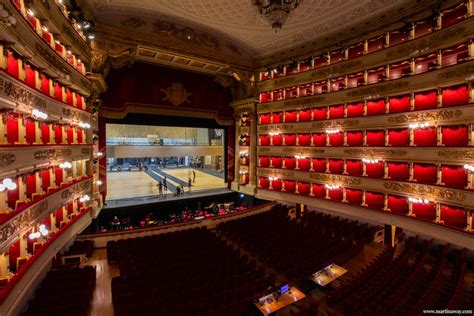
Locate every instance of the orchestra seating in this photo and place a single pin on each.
(64, 292)
(190, 272)
(79, 247)
(297, 248)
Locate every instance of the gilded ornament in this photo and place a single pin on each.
(20, 95)
(164, 29)
(423, 190)
(303, 101)
(337, 69)
(335, 178)
(374, 152)
(85, 151)
(458, 72)
(456, 154)
(335, 124)
(176, 94)
(422, 116)
(52, 154)
(263, 149)
(6, 159)
(132, 22)
(378, 88)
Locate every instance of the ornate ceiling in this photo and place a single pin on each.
(235, 24)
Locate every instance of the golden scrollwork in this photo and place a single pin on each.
(375, 152)
(463, 71)
(85, 151)
(263, 128)
(337, 69)
(6, 159)
(335, 178)
(456, 154)
(422, 116)
(335, 124)
(263, 149)
(52, 153)
(423, 190)
(303, 101)
(12, 90)
(378, 88)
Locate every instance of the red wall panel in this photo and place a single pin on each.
(355, 109)
(454, 176)
(376, 107)
(399, 104)
(398, 171)
(397, 204)
(399, 137)
(425, 137)
(424, 173)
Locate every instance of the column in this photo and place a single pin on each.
(345, 138)
(364, 135)
(365, 107)
(237, 150)
(366, 78)
(23, 245)
(327, 166)
(387, 39)
(385, 170)
(283, 166)
(387, 105)
(469, 179)
(327, 192)
(438, 174)
(3, 129)
(439, 59)
(412, 66)
(344, 166)
(469, 220)
(387, 72)
(439, 136)
(469, 134)
(385, 202)
(438, 213)
(21, 188)
(327, 139)
(297, 181)
(412, 137)
(38, 188)
(410, 209)
(363, 198)
(4, 263)
(410, 177)
(470, 47)
(3, 202)
(311, 164)
(297, 139)
(53, 222)
(51, 133)
(412, 30)
(297, 164)
(311, 189)
(439, 95)
(344, 197)
(412, 101)
(366, 46)
(364, 167)
(345, 106)
(21, 130)
(470, 8)
(37, 132)
(386, 137)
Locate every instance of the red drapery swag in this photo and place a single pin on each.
(305, 115)
(30, 131)
(426, 100)
(398, 171)
(277, 117)
(374, 200)
(453, 216)
(277, 140)
(397, 204)
(319, 165)
(354, 167)
(277, 162)
(453, 96)
(375, 170)
(304, 139)
(354, 196)
(45, 180)
(454, 176)
(426, 137)
(264, 183)
(425, 173)
(355, 138)
(290, 116)
(304, 164)
(424, 211)
(376, 107)
(264, 161)
(12, 128)
(336, 139)
(45, 133)
(276, 185)
(290, 186)
(399, 104)
(303, 188)
(455, 136)
(290, 139)
(265, 118)
(290, 163)
(399, 137)
(319, 191)
(319, 114)
(264, 140)
(335, 194)
(336, 166)
(375, 138)
(336, 111)
(319, 139)
(355, 109)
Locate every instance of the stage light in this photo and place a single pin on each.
(241, 195)
(419, 125)
(300, 157)
(8, 184)
(86, 25)
(91, 36)
(84, 125)
(100, 154)
(84, 198)
(44, 28)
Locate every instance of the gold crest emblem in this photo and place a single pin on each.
(176, 94)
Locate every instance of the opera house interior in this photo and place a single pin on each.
(236, 157)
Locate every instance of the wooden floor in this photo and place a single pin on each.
(101, 304)
(123, 185)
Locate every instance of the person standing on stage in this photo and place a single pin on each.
(194, 176)
(160, 188)
(189, 185)
(165, 184)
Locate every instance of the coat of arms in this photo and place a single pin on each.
(176, 94)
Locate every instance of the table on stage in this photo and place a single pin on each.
(327, 275)
(287, 298)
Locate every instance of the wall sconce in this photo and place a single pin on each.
(333, 131)
(98, 182)
(418, 200)
(274, 133)
(65, 165)
(8, 184)
(42, 232)
(272, 178)
(37, 114)
(84, 125)
(370, 160)
(332, 186)
(469, 167)
(84, 198)
(419, 125)
(300, 156)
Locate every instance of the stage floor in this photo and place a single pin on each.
(130, 184)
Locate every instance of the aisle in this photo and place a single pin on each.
(101, 304)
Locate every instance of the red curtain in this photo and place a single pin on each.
(397, 204)
(423, 28)
(264, 183)
(290, 116)
(399, 137)
(264, 97)
(45, 133)
(13, 195)
(70, 208)
(376, 107)
(277, 117)
(399, 104)
(319, 114)
(69, 98)
(453, 96)
(303, 188)
(70, 135)
(58, 134)
(354, 167)
(12, 65)
(336, 139)
(30, 76)
(424, 211)
(335, 194)
(319, 191)
(304, 139)
(59, 217)
(304, 164)
(374, 170)
(454, 176)
(13, 254)
(398, 171)
(426, 100)
(277, 162)
(453, 216)
(58, 176)
(30, 131)
(375, 138)
(336, 111)
(425, 137)
(264, 161)
(425, 173)
(355, 138)
(264, 140)
(265, 118)
(290, 139)
(290, 163)
(319, 139)
(45, 85)
(276, 185)
(355, 109)
(12, 128)
(453, 15)
(45, 180)
(79, 101)
(374, 200)
(376, 43)
(336, 56)
(355, 50)
(277, 140)
(30, 185)
(305, 115)
(79, 135)
(319, 165)
(398, 36)
(354, 196)
(58, 92)
(290, 186)
(336, 166)
(455, 136)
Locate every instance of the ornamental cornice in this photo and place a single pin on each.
(57, 153)
(426, 116)
(427, 191)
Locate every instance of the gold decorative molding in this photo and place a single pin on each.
(263, 149)
(6, 159)
(456, 154)
(86, 151)
(302, 150)
(20, 95)
(422, 116)
(303, 101)
(375, 152)
(176, 94)
(53, 153)
(335, 178)
(467, 70)
(423, 190)
(336, 70)
(334, 124)
(363, 91)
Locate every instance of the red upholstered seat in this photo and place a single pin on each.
(399, 104)
(397, 204)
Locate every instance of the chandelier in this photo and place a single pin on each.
(276, 11)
